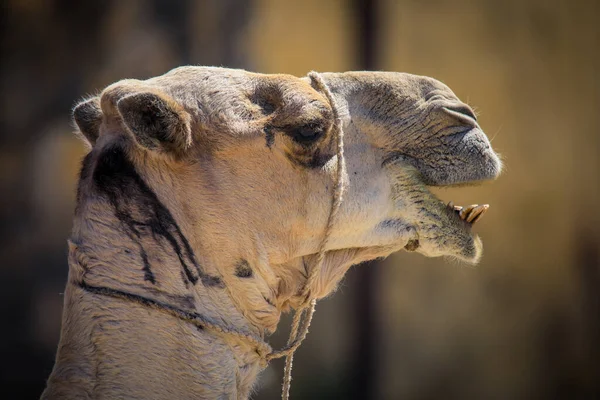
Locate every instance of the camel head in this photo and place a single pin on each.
(246, 163)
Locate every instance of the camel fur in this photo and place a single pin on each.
(207, 190)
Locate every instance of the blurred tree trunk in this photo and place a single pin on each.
(365, 368)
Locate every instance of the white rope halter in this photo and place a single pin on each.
(304, 312)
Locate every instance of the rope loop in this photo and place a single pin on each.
(304, 313)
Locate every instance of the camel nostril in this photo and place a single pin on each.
(464, 110)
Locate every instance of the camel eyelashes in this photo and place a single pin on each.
(307, 134)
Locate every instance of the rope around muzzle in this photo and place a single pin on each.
(304, 312)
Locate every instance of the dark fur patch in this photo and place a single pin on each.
(141, 213)
(183, 302)
(412, 245)
(84, 173)
(243, 269)
(148, 274)
(311, 161)
(266, 106)
(269, 137)
(395, 224)
(186, 315)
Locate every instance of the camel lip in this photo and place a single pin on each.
(468, 159)
(440, 229)
(468, 246)
(471, 249)
(472, 183)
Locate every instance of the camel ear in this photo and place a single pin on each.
(157, 122)
(88, 117)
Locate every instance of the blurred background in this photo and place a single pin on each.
(524, 324)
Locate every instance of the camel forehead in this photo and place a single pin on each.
(216, 83)
(228, 75)
(192, 77)
(231, 97)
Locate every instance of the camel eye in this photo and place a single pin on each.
(307, 134)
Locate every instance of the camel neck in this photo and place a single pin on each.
(135, 243)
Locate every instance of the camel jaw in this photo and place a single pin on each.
(453, 234)
(440, 229)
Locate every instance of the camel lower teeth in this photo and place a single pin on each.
(470, 214)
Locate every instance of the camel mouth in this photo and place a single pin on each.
(442, 229)
(446, 229)
(452, 233)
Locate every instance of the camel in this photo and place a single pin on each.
(205, 206)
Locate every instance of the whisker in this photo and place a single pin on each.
(495, 134)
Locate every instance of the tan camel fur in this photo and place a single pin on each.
(207, 191)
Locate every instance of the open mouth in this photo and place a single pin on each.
(470, 215)
(442, 229)
(446, 229)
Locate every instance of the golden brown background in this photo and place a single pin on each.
(524, 324)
